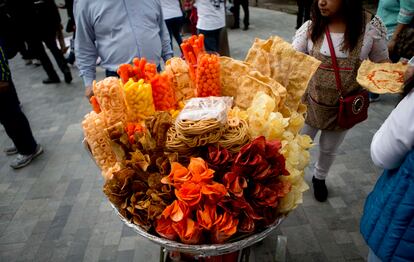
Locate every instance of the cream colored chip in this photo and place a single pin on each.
(381, 78)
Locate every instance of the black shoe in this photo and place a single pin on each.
(51, 81)
(235, 27)
(320, 191)
(245, 28)
(68, 76)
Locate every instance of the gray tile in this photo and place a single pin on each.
(336, 202)
(350, 251)
(127, 243)
(108, 253)
(342, 237)
(125, 256)
(301, 239)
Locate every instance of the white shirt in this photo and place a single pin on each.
(374, 45)
(395, 138)
(210, 16)
(171, 9)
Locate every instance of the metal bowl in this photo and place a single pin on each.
(203, 250)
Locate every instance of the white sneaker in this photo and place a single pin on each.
(11, 150)
(37, 62)
(24, 160)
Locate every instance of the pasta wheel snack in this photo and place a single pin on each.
(94, 130)
(108, 94)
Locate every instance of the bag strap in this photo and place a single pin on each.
(334, 61)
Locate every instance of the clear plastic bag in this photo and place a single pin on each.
(204, 108)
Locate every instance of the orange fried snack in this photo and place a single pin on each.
(225, 227)
(95, 104)
(163, 93)
(140, 69)
(192, 48)
(131, 129)
(208, 76)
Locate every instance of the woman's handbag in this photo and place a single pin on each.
(353, 108)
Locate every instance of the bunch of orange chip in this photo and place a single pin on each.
(195, 211)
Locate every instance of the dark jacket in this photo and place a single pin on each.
(47, 18)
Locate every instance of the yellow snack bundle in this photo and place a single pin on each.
(138, 98)
(111, 100)
(295, 151)
(98, 141)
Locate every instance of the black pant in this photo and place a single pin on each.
(245, 5)
(174, 26)
(39, 49)
(15, 122)
(303, 12)
(51, 44)
(211, 39)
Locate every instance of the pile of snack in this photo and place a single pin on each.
(208, 150)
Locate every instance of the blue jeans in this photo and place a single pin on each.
(174, 26)
(372, 257)
(211, 39)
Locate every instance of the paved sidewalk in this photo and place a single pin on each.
(54, 209)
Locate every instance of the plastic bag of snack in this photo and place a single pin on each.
(206, 108)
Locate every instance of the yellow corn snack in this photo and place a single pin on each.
(138, 98)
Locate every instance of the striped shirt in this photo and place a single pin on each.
(5, 75)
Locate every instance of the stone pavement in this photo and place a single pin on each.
(54, 209)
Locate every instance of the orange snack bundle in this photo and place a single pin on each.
(163, 93)
(140, 69)
(208, 76)
(95, 104)
(132, 128)
(192, 48)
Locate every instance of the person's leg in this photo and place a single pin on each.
(13, 93)
(169, 25)
(61, 39)
(236, 14)
(245, 5)
(50, 42)
(309, 130)
(15, 123)
(211, 39)
(40, 52)
(329, 143)
(71, 57)
(299, 18)
(177, 25)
